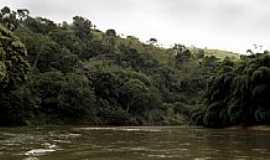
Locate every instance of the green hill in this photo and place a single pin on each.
(222, 54)
(74, 73)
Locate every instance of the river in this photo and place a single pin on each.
(133, 143)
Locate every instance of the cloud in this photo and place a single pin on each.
(226, 24)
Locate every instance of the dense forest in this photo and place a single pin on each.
(74, 73)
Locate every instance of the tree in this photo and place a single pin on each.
(238, 95)
(111, 33)
(14, 71)
(65, 97)
(82, 27)
(183, 54)
(152, 41)
(8, 18)
(14, 67)
(23, 14)
(110, 40)
(40, 25)
(249, 51)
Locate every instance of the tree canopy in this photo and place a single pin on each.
(76, 73)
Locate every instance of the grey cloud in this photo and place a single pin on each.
(228, 24)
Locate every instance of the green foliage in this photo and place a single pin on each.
(129, 91)
(65, 96)
(238, 95)
(40, 25)
(14, 68)
(8, 18)
(82, 27)
(221, 54)
(13, 73)
(75, 73)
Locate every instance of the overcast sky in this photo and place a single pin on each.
(225, 24)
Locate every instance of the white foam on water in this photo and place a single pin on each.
(122, 129)
(51, 146)
(74, 135)
(138, 149)
(8, 134)
(161, 156)
(39, 152)
(70, 135)
(62, 141)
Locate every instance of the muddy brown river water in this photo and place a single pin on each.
(134, 143)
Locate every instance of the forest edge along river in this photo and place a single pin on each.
(134, 143)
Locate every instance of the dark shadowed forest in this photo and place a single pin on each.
(74, 73)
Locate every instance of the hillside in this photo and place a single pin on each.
(73, 73)
(222, 54)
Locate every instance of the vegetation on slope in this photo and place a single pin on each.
(221, 54)
(238, 94)
(75, 73)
